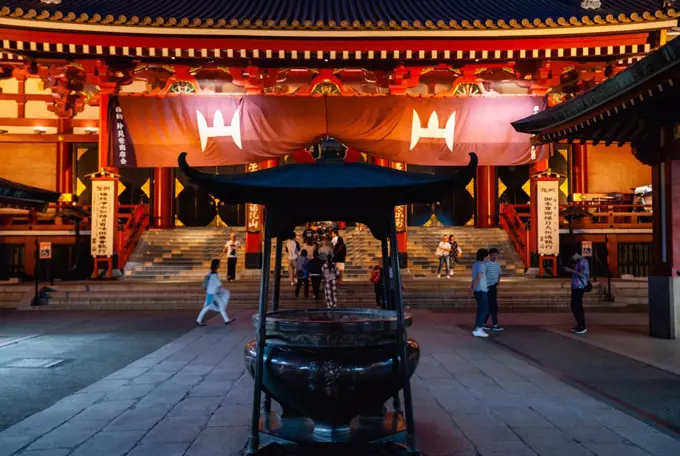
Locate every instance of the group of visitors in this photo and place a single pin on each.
(320, 258)
(448, 252)
(486, 276)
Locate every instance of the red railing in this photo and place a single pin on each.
(608, 216)
(517, 231)
(137, 222)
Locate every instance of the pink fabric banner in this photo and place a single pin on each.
(224, 130)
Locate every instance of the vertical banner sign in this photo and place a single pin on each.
(121, 145)
(548, 217)
(103, 222)
(400, 211)
(253, 211)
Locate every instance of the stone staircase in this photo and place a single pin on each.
(515, 293)
(179, 254)
(185, 254)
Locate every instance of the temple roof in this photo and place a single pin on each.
(19, 196)
(573, 117)
(329, 190)
(341, 14)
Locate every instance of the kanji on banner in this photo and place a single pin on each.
(548, 207)
(103, 217)
(223, 130)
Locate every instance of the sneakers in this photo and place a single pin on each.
(479, 332)
(448, 276)
(439, 276)
(580, 330)
(497, 328)
(229, 321)
(200, 323)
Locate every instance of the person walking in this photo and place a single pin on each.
(580, 284)
(339, 254)
(480, 289)
(293, 249)
(302, 273)
(442, 253)
(454, 254)
(325, 250)
(315, 266)
(330, 277)
(230, 250)
(376, 280)
(217, 297)
(493, 278)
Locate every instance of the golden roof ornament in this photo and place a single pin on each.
(591, 4)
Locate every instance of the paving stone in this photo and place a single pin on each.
(232, 415)
(219, 440)
(159, 449)
(127, 373)
(654, 442)
(615, 449)
(103, 411)
(68, 435)
(109, 444)
(239, 396)
(141, 419)
(491, 448)
(592, 434)
(569, 449)
(184, 380)
(196, 407)
(46, 453)
(214, 389)
(105, 386)
(521, 417)
(175, 430)
(483, 428)
(543, 436)
(128, 392)
(151, 377)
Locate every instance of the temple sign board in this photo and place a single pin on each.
(103, 217)
(548, 217)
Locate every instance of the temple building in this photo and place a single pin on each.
(92, 90)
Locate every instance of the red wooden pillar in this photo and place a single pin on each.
(162, 198)
(664, 279)
(64, 158)
(579, 168)
(485, 197)
(401, 224)
(254, 213)
(106, 90)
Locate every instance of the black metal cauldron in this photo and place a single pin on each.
(332, 365)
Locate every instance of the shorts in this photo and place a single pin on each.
(340, 266)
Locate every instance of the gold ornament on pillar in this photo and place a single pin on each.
(470, 187)
(501, 187)
(146, 188)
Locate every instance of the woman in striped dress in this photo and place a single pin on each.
(330, 276)
(453, 253)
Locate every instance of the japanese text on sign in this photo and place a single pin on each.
(119, 136)
(45, 250)
(548, 217)
(103, 223)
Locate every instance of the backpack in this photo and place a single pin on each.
(300, 270)
(206, 280)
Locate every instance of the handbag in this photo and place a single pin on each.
(588, 286)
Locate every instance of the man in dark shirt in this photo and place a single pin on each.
(315, 274)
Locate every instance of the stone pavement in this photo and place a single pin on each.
(473, 397)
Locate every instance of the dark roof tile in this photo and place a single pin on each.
(357, 12)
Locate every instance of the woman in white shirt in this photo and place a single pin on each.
(217, 297)
(442, 253)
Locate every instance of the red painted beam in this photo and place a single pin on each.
(303, 44)
(77, 123)
(44, 138)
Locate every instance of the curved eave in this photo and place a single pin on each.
(286, 185)
(474, 28)
(645, 79)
